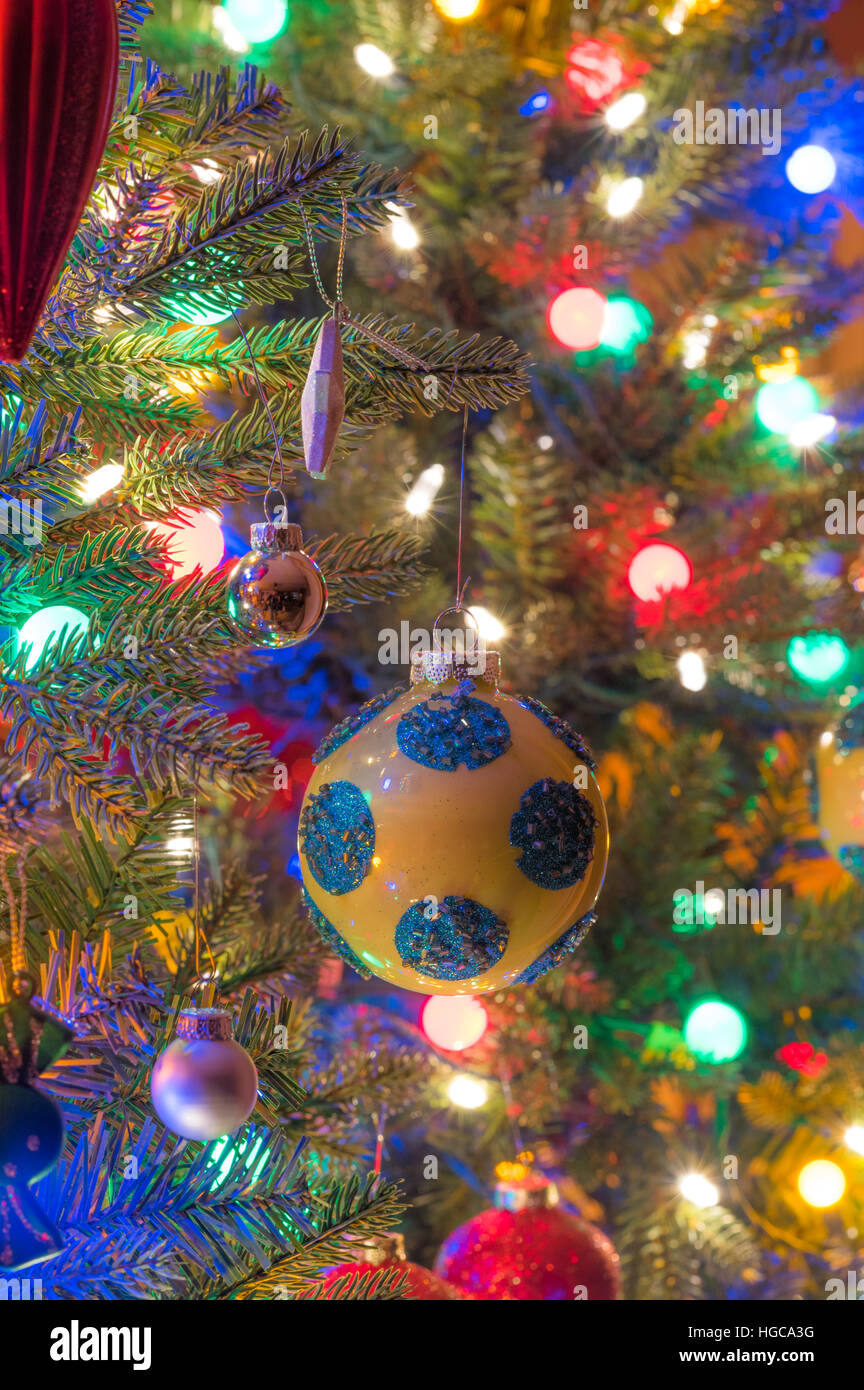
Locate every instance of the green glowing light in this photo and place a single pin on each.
(782, 404)
(715, 1031)
(257, 20)
(817, 657)
(626, 323)
(225, 1155)
(42, 630)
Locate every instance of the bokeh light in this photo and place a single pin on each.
(657, 569)
(715, 1031)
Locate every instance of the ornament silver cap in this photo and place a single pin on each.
(474, 663)
(276, 535)
(213, 1025)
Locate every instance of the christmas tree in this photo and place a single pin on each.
(662, 541)
(122, 434)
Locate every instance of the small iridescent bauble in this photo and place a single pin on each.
(453, 839)
(276, 595)
(204, 1084)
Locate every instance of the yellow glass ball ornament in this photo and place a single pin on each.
(453, 839)
(840, 781)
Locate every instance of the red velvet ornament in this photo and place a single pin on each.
(538, 1254)
(58, 73)
(421, 1285)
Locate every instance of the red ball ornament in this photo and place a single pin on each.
(383, 1253)
(575, 318)
(58, 72)
(538, 1254)
(421, 1285)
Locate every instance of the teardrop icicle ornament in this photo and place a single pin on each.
(322, 405)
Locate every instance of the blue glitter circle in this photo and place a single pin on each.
(852, 859)
(560, 728)
(331, 937)
(464, 939)
(447, 730)
(849, 733)
(555, 954)
(337, 836)
(347, 728)
(554, 828)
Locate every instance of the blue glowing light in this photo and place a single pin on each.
(540, 101)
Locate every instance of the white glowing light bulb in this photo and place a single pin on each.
(373, 60)
(854, 1139)
(691, 671)
(627, 109)
(402, 229)
(491, 628)
(696, 1188)
(425, 490)
(468, 1092)
(813, 428)
(624, 197)
(231, 36)
(101, 481)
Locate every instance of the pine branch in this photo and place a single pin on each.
(365, 569)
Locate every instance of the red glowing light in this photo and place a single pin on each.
(598, 70)
(453, 1021)
(194, 542)
(575, 318)
(656, 569)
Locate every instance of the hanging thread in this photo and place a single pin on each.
(200, 936)
(460, 588)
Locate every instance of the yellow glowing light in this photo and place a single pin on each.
(821, 1183)
(468, 1092)
(457, 10)
(778, 371)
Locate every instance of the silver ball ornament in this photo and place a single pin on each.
(277, 595)
(204, 1084)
